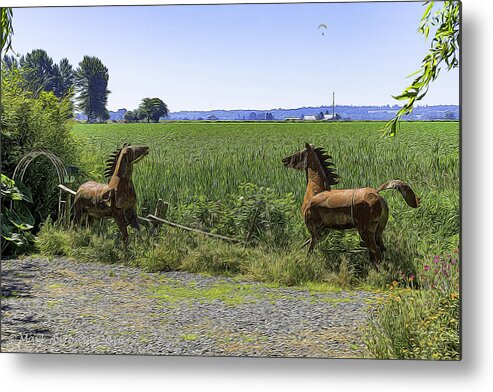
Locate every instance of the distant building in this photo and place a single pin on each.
(292, 119)
(309, 118)
(330, 117)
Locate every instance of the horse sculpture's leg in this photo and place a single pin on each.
(384, 217)
(122, 225)
(131, 217)
(77, 215)
(369, 239)
(313, 241)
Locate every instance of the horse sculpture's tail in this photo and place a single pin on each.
(407, 193)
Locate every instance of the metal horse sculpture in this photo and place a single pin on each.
(325, 208)
(117, 198)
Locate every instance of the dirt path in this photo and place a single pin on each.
(63, 306)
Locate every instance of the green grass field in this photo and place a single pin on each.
(199, 159)
(188, 161)
(228, 178)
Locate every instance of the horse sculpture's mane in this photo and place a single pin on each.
(332, 178)
(112, 161)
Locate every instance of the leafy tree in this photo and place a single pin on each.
(152, 109)
(63, 80)
(30, 123)
(6, 30)
(91, 82)
(444, 49)
(38, 72)
(10, 62)
(132, 116)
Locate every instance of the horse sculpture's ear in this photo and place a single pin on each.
(308, 146)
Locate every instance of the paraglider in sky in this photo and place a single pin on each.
(323, 27)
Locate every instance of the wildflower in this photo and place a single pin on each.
(436, 259)
(426, 267)
(411, 277)
(453, 261)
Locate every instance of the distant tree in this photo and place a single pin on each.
(10, 62)
(449, 115)
(320, 116)
(38, 71)
(63, 78)
(444, 49)
(91, 83)
(252, 116)
(152, 109)
(212, 118)
(132, 116)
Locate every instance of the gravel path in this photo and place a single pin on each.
(64, 306)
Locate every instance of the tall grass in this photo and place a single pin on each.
(201, 169)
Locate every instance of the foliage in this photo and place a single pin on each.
(254, 214)
(31, 123)
(152, 109)
(16, 219)
(7, 30)
(91, 83)
(444, 48)
(40, 73)
(420, 324)
(132, 116)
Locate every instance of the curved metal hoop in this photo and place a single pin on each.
(20, 169)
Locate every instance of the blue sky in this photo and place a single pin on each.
(241, 56)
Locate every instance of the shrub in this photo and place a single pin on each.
(419, 324)
(16, 218)
(254, 214)
(53, 240)
(159, 259)
(288, 268)
(35, 122)
(217, 258)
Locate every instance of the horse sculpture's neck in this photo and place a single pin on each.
(122, 175)
(315, 176)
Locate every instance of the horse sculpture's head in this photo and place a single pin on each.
(297, 160)
(135, 153)
(314, 158)
(123, 158)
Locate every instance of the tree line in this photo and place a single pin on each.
(88, 84)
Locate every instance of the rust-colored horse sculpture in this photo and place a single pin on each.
(117, 198)
(325, 208)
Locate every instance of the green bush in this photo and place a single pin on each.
(288, 268)
(256, 215)
(17, 220)
(35, 122)
(419, 324)
(217, 258)
(54, 241)
(159, 259)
